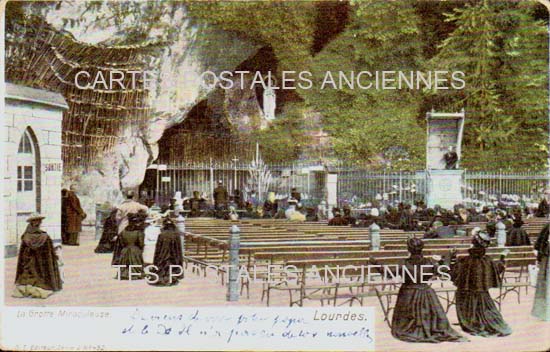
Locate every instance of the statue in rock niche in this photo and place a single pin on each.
(269, 102)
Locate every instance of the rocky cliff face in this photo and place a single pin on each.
(178, 68)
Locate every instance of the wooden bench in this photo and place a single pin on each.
(519, 279)
(385, 296)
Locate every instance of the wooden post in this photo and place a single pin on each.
(400, 186)
(235, 160)
(180, 226)
(501, 234)
(374, 231)
(211, 181)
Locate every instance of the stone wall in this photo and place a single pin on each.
(43, 120)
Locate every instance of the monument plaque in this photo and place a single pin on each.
(443, 152)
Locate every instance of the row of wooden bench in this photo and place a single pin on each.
(311, 247)
(267, 246)
(213, 245)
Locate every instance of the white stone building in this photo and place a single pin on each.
(33, 168)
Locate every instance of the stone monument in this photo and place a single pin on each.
(332, 192)
(269, 103)
(443, 152)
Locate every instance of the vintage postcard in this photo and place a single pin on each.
(362, 175)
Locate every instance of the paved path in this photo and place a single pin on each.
(89, 281)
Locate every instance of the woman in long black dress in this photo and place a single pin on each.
(418, 315)
(168, 252)
(107, 241)
(131, 243)
(473, 276)
(37, 272)
(517, 236)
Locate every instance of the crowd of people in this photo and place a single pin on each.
(418, 314)
(225, 205)
(409, 217)
(437, 222)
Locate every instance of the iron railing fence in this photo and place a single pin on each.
(494, 185)
(357, 187)
(356, 184)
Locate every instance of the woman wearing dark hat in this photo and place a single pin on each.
(491, 225)
(168, 252)
(110, 228)
(418, 315)
(37, 273)
(129, 249)
(347, 215)
(517, 236)
(543, 209)
(473, 276)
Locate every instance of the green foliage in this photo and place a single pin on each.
(285, 139)
(499, 45)
(365, 123)
(503, 51)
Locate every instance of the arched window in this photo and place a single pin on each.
(26, 164)
(25, 146)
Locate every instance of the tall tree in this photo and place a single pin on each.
(365, 123)
(502, 49)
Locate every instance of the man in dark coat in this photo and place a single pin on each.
(168, 252)
(473, 276)
(238, 198)
(393, 218)
(196, 204)
(72, 216)
(348, 217)
(294, 194)
(406, 221)
(37, 273)
(337, 220)
(221, 197)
